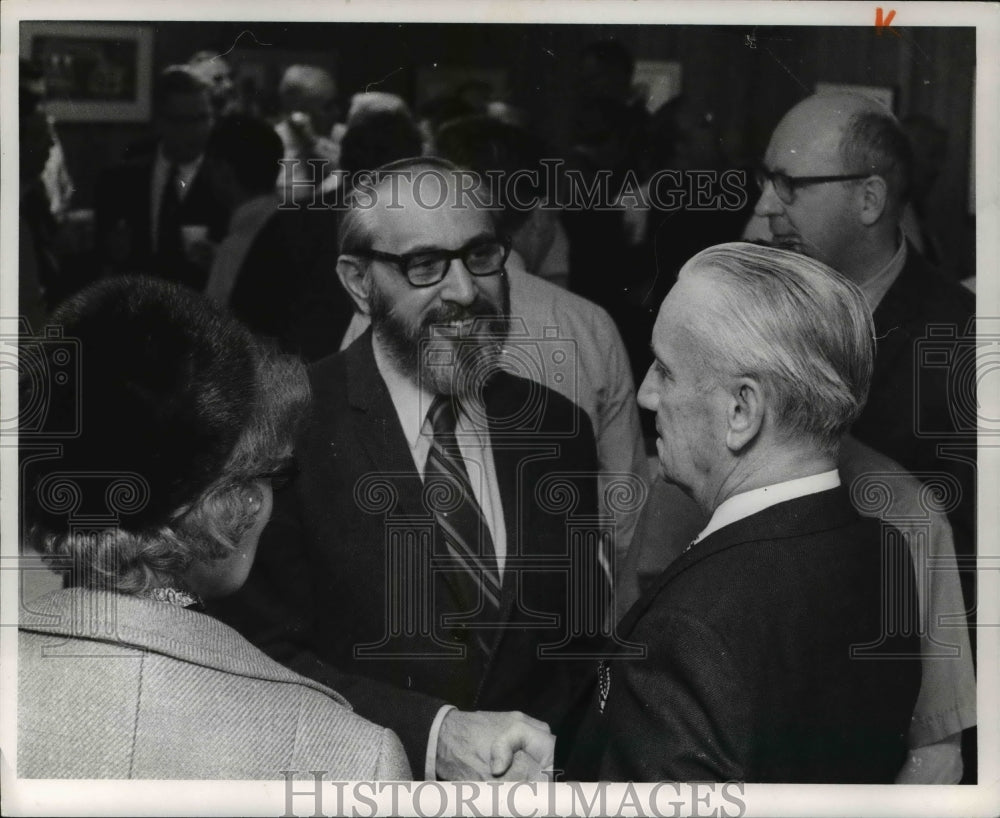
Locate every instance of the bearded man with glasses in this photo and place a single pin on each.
(424, 558)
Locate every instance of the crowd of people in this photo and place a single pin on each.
(359, 480)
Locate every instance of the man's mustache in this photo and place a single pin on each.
(485, 316)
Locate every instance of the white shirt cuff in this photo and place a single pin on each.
(430, 765)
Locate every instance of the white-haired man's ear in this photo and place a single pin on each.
(744, 414)
(354, 278)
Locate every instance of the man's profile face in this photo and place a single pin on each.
(185, 122)
(820, 221)
(446, 337)
(686, 398)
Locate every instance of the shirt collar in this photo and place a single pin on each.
(878, 285)
(742, 505)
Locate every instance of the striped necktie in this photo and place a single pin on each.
(466, 533)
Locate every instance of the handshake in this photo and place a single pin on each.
(483, 746)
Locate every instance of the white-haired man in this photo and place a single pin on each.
(781, 646)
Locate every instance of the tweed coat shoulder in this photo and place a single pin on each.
(113, 686)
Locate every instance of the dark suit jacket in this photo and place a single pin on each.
(287, 287)
(922, 396)
(748, 674)
(328, 588)
(123, 198)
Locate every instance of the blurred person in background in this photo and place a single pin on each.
(215, 71)
(38, 266)
(274, 268)
(163, 214)
(309, 108)
(603, 386)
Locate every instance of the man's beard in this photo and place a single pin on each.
(438, 356)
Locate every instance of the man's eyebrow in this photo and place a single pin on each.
(658, 359)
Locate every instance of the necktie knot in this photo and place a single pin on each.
(443, 416)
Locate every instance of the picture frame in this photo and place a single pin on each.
(94, 72)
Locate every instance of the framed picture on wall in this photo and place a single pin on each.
(94, 72)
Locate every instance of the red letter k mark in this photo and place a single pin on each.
(884, 23)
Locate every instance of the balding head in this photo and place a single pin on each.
(844, 222)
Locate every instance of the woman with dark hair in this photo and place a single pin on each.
(171, 423)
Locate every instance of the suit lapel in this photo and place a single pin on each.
(508, 456)
(381, 437)
(380, 433)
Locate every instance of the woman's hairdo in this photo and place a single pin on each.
(174, 408)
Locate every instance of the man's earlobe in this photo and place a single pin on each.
(354, 278)
(745, 415)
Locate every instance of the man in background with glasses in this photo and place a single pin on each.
(834, 184)
(425, 548)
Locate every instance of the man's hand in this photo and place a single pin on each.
(481, 746)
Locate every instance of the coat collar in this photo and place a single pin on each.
(158, 627)
(898, 306)
(803, 516)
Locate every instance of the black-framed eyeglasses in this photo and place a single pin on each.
(785, 186)
(483, 257)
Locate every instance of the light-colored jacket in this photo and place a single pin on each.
(114, 686)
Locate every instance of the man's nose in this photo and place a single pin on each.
(458, 286)
(646, 397)
(768, 204)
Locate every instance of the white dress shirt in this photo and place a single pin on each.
(878, 285)
(412, 404)
(741, 506)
